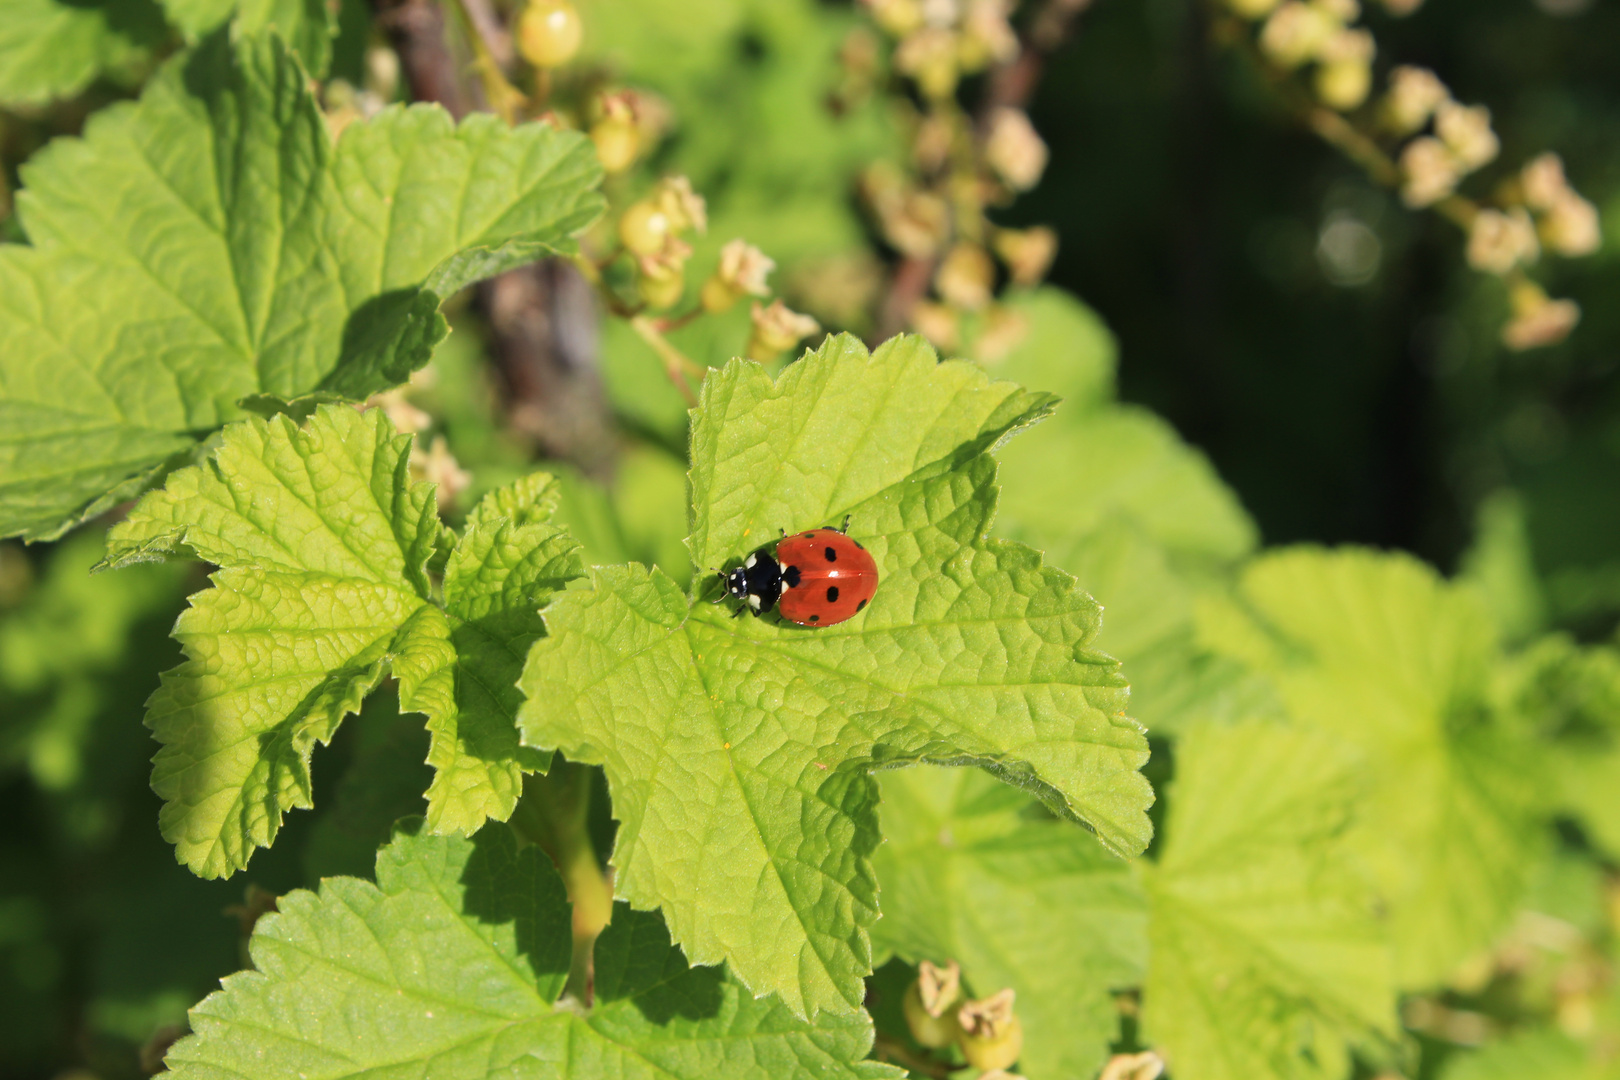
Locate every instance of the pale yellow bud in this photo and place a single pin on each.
(401, 413)
(1429, 170)
(1414, 94)
(938, 324)
(1253, 9)
(966, 276)
(1402, 8)
(438, 466)
(929, 56)
(1027, 253)
(1466, 130)
(382, 71)
(897, 17)
(777, 329)
(1571, 226)
(1345, 77)
(989, 1017)
(1498, 242)
(1144, 1066)
(1295, 33)
(1537, 320)
(992, 1036)
(742, 271)
(915, 222)
(987, 37)
(1543, 181)
(685, 207)
(1014, 150)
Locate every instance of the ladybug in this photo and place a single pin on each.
(814, 578)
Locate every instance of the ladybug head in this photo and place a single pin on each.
(736, 583)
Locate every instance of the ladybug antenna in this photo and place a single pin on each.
(844, 528)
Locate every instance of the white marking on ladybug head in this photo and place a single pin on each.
(750, 561)
(754, 601)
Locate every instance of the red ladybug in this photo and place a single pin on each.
(816, 578)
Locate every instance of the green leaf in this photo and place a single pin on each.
(308, 26)
(1266, 956)
(972, 870)
(1532, 1055)
(451, 966)
(1501, 564)
(738, 751)
(1377, 651)
(50, 49)
(208, 243)
(322, 590)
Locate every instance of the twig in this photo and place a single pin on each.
(504, 99)
(416, 30)
(1013, 83)
(891, 1050)
(677, 365)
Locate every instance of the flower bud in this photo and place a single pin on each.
(966, 277)
(1027, 253)
(660, 285)
(1402, 8)
(1543, 181)
(777, 329)
(1537, 320)
(1498, 242)
(992, 1035)
(685, 207)
(742, 271)
(1414, 94)
(1144, 1066)
(1430, 172)
(1295, 33)
(938, 324)
(1014, 150)
(1345, 75)
(897, 17)
(1466, 131)
(987, 37)
(916, 222)
(1340, 11)
(928, 55)
(439, 466)
(1571, 226)
(616, 133)
(930, 1004)
(549, 32)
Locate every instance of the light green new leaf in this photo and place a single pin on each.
(451, 966)
(1533, 1055)
(738, 751)
(1266, 956)
(1377, 651)
(971, 870)
(321, 539)
(50, 49)
(208, 244)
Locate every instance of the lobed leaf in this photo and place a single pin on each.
(451, 965)
(972, 871)
(1378, 652)
(738, 752)
(51, 49)
(1267, 959)
(208, 244)
(322, 541)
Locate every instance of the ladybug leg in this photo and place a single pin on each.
(782, 531)
(739, 611)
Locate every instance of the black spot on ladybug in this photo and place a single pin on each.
(809, 536)
(790, 577)
(860, 605)
(832, 556)
(832, 594)
(815, 618)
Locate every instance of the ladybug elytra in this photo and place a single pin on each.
(815, 578)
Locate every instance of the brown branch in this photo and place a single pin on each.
(416, 29)
(1013, 83)
(908, 285)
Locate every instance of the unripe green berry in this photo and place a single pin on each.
(645, 228)
(997, 1051)
(661, 291)
(934, 1032)
(549, 33)
(617, 143)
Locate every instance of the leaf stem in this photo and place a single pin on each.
(553, 815)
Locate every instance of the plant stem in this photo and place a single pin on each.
(895, 1052)
(676, 363)
(504, 99)
(552, 814)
